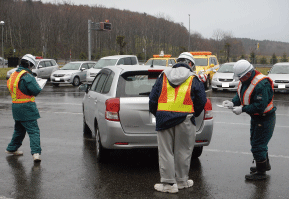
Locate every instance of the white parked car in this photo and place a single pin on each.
(279, 73)
(72, 73)
(223, 79)
(110, 61)
(43, 68)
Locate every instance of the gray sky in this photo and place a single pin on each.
(254, 19)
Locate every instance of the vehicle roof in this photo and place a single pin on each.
(117, 56)
(126, 68)
(282, 63)
(163, 58)
(82, 62)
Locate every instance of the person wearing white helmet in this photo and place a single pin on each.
(175, 100)
(255, 97)
(23, 89)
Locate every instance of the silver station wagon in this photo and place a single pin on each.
(116, 110)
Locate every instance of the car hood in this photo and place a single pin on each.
(65, 72)
(224, 75)
(279, 76)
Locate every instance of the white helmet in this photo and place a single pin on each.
(241, 68)
(186, 55)
(29, 58)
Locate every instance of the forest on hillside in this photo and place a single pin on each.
(60, 31)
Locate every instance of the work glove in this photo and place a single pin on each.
(237, 110)
(228, 104)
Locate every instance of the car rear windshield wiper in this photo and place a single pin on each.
(146, 93)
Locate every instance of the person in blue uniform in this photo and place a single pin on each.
(177, 97)
(23, 89)
(255, 97)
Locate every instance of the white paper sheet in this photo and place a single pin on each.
(41, 82)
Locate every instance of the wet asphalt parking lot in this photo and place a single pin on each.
(69, 169)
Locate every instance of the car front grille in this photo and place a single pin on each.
(281, 81)
(58, 75)
(225, 80)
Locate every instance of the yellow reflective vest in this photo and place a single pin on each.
(176, 99)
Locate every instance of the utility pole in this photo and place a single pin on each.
(189, 32)
(89, 40)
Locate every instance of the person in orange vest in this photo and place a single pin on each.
(177, 97)
(23, 89)
(254, 96)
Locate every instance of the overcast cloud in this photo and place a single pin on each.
(254, 19)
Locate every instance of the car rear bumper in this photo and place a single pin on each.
(116, 138)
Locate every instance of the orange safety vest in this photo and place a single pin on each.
(176, 99)
(16, 94)
(248, 92)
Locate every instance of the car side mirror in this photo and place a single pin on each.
(268, 72)
(214, 71)
(82, 69)
(40, 66)
(84, 88)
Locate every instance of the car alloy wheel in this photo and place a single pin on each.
(76, 81)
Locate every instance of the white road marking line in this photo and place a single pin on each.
(244, 153)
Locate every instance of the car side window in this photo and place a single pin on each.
(93, 86)
(100, 83)
(127, 61)
(215, 61)
(48, 63)
(133, 61)
(41, 64)
(85, 66)
(53, 62)
(120, 62)
(172, 61)
(90, 65)
(108, 83)
(210, 62)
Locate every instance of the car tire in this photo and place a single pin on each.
(207, 83)
(56, 84)
(76, 81)
(101, 153)
(86, 131)
(197, 152)
(214, 89)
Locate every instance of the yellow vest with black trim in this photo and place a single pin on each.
(176, 99)
(16, 94)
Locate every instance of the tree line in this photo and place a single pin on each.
(60, 31)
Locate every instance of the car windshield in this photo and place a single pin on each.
(159, 62)
(280, 69)
(136, 84)
(226, 68)
(201, 61)
(105, 62)
(71, 66)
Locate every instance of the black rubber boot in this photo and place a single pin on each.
(260, 173)
(268, 166)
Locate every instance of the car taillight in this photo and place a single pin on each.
(112, 109)
(208, 110)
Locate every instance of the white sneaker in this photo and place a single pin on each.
(36, 157)
(14, 152)
(187, 184)
(166, 188)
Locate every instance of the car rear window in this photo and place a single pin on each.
(136, 84)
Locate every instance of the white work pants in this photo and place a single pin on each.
(175, 146)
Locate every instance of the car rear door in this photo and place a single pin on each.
(133, 91)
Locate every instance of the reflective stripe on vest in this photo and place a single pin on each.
(176, 99)
(16, 94)
(248, 92)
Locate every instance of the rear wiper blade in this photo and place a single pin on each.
(146, 93)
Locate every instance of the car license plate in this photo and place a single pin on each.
(57, 79)
(225, 85)
(281, 85)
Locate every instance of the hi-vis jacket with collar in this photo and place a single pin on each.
(26, 90)
(256, 95)
(176, 93)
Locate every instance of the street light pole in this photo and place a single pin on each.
(2, 24)
(189, 32)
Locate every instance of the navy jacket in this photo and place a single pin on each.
(176, 76)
